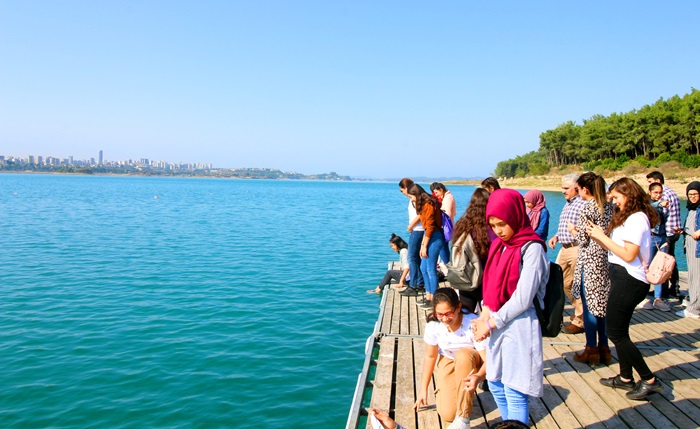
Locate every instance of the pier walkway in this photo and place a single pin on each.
(573, 397)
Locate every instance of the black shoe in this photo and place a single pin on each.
(427, 305)
(617, 383)
(420, 288)
(409, 292)
(644, 389)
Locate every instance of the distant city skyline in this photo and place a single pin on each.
(50, 160)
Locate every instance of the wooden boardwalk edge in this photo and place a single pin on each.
(573, 395)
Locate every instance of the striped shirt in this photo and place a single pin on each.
(569, 214)
(674, 210)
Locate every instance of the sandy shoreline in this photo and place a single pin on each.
(553, 183)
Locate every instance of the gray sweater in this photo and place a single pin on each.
(514, 354)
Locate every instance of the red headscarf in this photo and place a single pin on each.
(503, 265)
(537, 199)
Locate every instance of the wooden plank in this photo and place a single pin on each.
(427, 417)
(653, 417)
(539, 415)
(583, 415)
(615, 399)
(403, 329)
(488, 407)
(477, 419)
(385, 326)
(383, 380)
(405, 394)
(396, 314)
(413, 328)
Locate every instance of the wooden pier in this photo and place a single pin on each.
(573, 396)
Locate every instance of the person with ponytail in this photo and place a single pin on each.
(433, 241)
(460, 360)
(514, 276)
(591, 275)
(691, 231)
(399, 246)
(629, 248)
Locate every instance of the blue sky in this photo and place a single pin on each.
(372, 89)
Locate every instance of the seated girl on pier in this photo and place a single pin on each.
(400, 246)
(449, 337)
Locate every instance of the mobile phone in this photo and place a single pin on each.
(589, 218)
(376, 424)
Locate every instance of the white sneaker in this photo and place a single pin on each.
(659, 304)
(685, 302)
(647, 304)
(459, 423)
(686, 313)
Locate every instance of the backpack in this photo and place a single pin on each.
(464, 271)
(552, 314)
(447, 226)
(661, 267)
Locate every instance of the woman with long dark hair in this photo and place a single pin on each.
(629, 248)
(399, 246)
(471, 238)
(591, 274)
(433, 240)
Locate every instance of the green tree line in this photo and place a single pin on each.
(668, 130)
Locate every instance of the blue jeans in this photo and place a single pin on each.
(414, 241)
(445, 252)
(594, 326)
(657, 241)
(428, 266)
(512, 405)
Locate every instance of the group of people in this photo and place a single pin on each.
(485, 327)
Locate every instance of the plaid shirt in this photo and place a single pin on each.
(674, 210)
(569, 214)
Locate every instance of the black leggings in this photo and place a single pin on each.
(625, 293)
(389, 276)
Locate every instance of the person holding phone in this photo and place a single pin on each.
(591, 274)
(628, 248)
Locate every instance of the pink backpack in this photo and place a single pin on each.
(661, 267)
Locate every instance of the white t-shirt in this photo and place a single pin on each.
(436, 334)
(635, 230)
(412, 215)
(403, 259)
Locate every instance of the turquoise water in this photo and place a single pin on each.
(189, 303)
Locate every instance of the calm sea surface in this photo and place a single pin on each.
(190, 303)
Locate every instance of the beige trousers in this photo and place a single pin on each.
(450, 397)
(567, 261)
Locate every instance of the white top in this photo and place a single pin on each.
(437, 334)
(412, 215)
(635, 230)
(403, 259)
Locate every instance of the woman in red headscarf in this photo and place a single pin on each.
(516, 272)
(537, 212)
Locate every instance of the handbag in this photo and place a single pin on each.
(661, 267)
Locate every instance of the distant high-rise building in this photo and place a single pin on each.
(100, 158)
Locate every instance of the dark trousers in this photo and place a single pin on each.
(389, 276)
(672, 288)
(625, 293)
